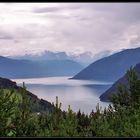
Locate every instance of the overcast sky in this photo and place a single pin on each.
(31, 28)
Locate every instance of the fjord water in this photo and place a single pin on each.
(79, 94)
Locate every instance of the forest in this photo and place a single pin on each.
(120, 119)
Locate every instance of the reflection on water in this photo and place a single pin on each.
(79, 94)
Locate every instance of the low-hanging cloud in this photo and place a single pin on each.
(71, 27)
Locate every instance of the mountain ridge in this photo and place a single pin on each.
(12, 68)
(110, 68)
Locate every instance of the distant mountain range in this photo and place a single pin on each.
(46, 55)
(12, 68)
(123, 80)
(38, 105)
(110, 68)
(83, 58)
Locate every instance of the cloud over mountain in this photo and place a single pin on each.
(70, 27)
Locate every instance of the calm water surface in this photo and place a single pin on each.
(79, 94)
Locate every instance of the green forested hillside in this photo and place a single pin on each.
(38, 105)
(121, 119)
(123, 80)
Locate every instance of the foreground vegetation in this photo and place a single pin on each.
(121, 119)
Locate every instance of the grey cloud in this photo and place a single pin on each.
(6, 37)
(127, 12)
(95, 27)
(52, 9)
(46, 10)
(30, 31)
(106, 24)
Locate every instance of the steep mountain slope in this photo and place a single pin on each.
(11, 68)
(38, 105)
(123, 80)
(112, 67)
